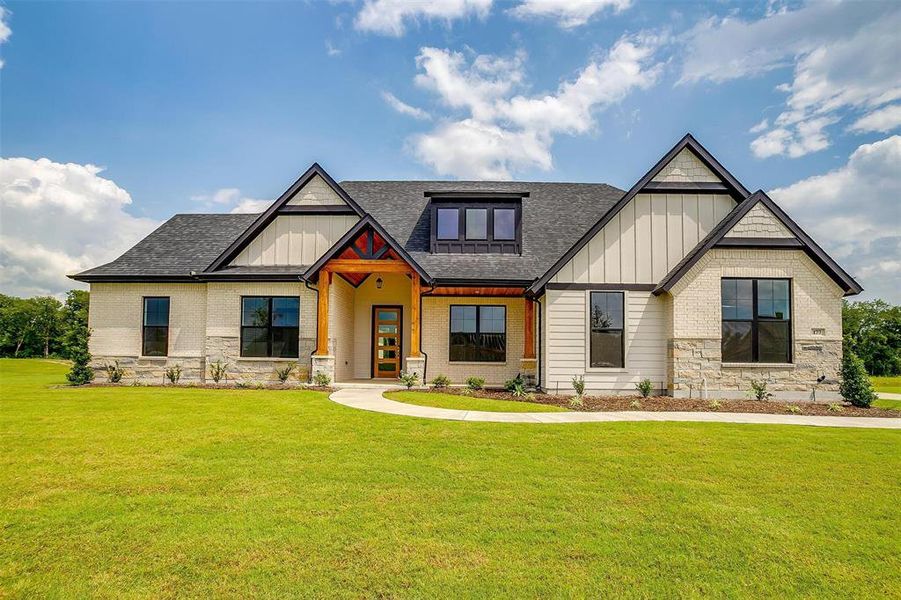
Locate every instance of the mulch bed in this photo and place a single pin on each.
(666, 403)
(217, 386)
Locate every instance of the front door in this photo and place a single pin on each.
(386, 341)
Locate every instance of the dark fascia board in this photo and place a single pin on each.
(336, 209)
(466, 282)
(451, 195)
(603, 287)
(750, 242)
(218, 276)
(269, 215)
(716, 237)
(88, 278)
(367, 221)
(686, 187)
(688, 141)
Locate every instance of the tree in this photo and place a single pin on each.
(856, 387)
(75, 337)
(47, 319)
(872, 330)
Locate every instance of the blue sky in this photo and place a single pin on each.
(210, 106)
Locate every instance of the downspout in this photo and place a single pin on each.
(316, 290)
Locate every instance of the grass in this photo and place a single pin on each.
(889, 385)
(154, 492)
(439, 400)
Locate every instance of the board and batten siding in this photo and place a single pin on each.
(295, 240)
(646, 239)
(565, 348)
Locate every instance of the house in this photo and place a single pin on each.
(687, 279)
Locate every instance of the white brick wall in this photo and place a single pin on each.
(760, 222)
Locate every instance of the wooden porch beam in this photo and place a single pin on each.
(352, 265)
(325, 279)
(415, 293)
(528, 351)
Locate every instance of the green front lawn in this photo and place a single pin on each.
(890, 385)
(150, 492)
(439, 400)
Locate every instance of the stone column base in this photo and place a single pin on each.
(416, 364)
(528, 368)
(323, 363)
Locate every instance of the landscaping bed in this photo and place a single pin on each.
(667, 403)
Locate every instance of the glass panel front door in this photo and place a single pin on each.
(386, 341)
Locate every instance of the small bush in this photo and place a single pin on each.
(441, 381)
(834, 407)
(321, 379)
(758, 391)
(409, 379)
(644, 387)
(715, 404)
(635, 404)
(475, 383)
(173, 374)
(793, 409)
(245, 383)
(576, 402)
(579, 385)
(285, 372)
(519, 390)
(511, 384)
(217, 371)
(856, 387)
(114, 373)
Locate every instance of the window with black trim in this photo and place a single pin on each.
(270, 326)
(476, 227)
(155, 333)
(607, 334)
(478, 333)
(756, 320)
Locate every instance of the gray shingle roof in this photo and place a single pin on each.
(555, 215)
(182, 244)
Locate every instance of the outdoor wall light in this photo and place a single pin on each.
(378, 283)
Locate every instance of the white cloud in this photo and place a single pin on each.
(331, 50)
(59, 219)
(5, 31)
(854, 213)
(391, 17)
(882, 120)
(229, 199)
(501, 132)
(843, 55)
(404, 108)
(763, 125)
(567, 13)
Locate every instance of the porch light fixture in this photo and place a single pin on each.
(378, 283)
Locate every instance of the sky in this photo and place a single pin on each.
(116, 115)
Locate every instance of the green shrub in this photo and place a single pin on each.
(321, 379)
(475, 383)
(644, 387)
(114, 373)
(715, 404)
(793, 409)
(441, 381)
(855, 387)
(408, 379)
(635, 404)
(285, 372)
(511, 384)
(519, 390)
(173, 374)
(576, 401)
(758, 391)
(834, 407)
(77, 346)
(217, 371)
(579, 385)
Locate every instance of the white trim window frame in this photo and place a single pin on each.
(625, 336)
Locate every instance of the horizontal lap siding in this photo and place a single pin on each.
(565, 345)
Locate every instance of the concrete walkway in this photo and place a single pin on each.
(887, 396)
(371, 398)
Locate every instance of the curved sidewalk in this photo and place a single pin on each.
(372, 399)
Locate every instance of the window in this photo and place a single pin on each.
(478, 333)
(476, 227)
(155, 335)
(270, 326)
(448, 223)
(606, 326)
(476, 223)
(756, 320)
(504, 224)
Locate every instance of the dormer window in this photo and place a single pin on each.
(476, 223)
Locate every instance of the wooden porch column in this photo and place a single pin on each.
(325, 278)
(414, 316)
(528, 352)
